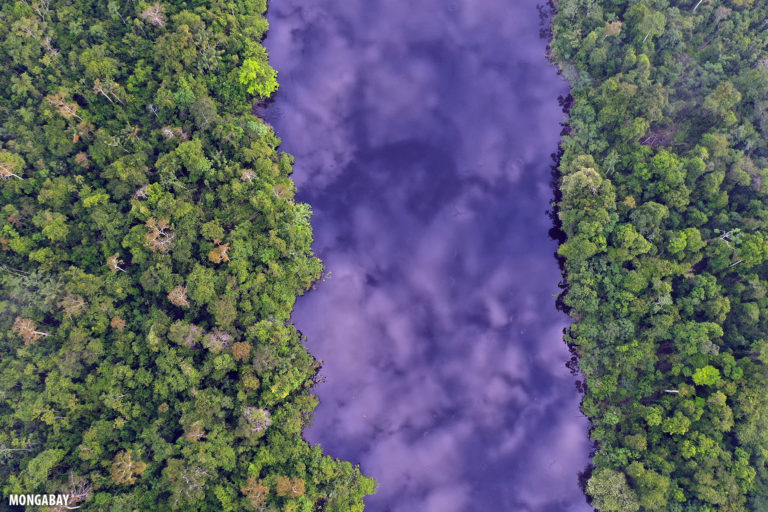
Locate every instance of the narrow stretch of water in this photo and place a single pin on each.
(423, 134)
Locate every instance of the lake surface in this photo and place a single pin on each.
(423, 134)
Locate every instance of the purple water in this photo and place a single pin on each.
(423, 134)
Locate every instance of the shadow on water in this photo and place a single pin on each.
(546, 13)
(423, 134)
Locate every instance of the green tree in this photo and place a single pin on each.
(706, 376)
(611, 493)
(258, 77)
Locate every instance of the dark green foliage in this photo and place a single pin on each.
(151, 255)
(664, 204)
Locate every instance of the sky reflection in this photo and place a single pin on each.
(422, 133)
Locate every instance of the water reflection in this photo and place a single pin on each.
(422, 133)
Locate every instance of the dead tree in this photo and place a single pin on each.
(26, 328)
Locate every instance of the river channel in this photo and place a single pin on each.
(423, 133)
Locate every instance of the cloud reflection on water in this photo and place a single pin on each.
(422, 133)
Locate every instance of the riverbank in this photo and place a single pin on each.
(663, 206)
(152, 252)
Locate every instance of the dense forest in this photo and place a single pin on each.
(664, 189)
(151, 253)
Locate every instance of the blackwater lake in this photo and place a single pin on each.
(423, 133)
